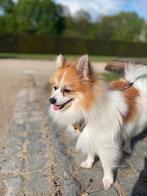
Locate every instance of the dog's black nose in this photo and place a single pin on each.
(52, 100)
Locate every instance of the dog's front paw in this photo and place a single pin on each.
(107, 182)
(86, 164)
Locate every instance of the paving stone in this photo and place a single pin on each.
(34, 126)
(91, 179)
(34, 136)
(137, 160)
(37, 184)
(36, 146)
(22, 95)
(127, 182)
(15, 140)
(2, 188)
(35, 116)
(110, 192)
(14, 186)
(36, 161)
(63, 167)
(32, 98)
(12, 150)
(143, 146)
(18, 128)
(34, 105)
(19, 120)
(19, 115)
(125, 169)
(14, 164)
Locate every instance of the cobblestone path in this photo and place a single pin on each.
(40, 157)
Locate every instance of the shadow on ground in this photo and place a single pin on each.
(140, 187)
(138, 138)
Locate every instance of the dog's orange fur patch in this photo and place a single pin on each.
(119, 84)
(130, 95)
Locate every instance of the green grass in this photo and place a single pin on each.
(50, 56)
(27, 56)
(53, 56)
(111, 76)
(91, 57)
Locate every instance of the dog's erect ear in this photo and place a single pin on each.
(60, 61)
(84, 67)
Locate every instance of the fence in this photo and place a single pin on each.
(28, 43)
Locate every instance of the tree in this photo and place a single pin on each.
(32, 16)
(7, 5)
(7, 21)
(46, 17)
(145, 29)
(123, 27)
(80, 25)
(39, 17)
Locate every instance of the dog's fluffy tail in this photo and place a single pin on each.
(137, 75)
(135, 72)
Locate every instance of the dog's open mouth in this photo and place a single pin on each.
(59, 107)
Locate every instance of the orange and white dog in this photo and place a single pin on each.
(113, 113)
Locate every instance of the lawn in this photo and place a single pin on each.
(111, 76)
(69, 56)
(50, 56)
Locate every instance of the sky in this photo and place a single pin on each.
(97, 8)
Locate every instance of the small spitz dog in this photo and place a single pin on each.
(113, 113)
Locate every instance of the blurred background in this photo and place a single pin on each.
(108, 27)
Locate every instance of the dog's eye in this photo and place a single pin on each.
(55, 87)
(66, 90)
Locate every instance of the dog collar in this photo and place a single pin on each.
(126, 87)
(131, 83)
(79, 125)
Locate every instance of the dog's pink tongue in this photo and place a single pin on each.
(56, 107)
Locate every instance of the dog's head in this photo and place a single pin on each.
(71, 84)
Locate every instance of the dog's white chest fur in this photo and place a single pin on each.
(103, 122)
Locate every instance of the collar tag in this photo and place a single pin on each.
(79, 126)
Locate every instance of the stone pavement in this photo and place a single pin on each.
(40, 157)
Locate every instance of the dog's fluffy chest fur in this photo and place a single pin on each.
(103, 122)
